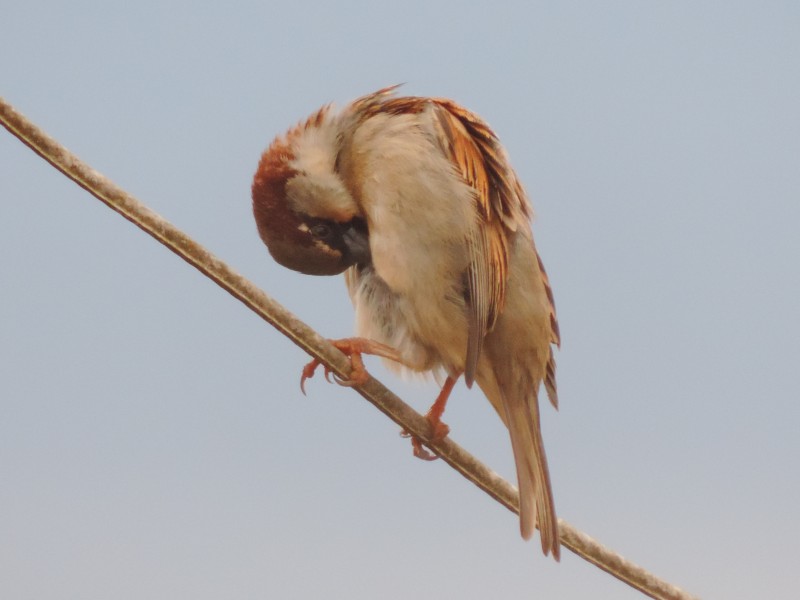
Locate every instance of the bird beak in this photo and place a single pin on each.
(356, 240)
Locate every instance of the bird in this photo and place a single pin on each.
(415, 201)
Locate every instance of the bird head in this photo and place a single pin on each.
(304, 212)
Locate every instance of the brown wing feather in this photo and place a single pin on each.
(503, 200)
(502, 207)
(555, 338)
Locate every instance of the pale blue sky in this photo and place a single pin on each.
(153, 439)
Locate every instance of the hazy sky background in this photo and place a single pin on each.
(153, 439)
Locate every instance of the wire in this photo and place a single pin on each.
(318, 347)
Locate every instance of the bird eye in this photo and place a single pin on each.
(320, 230)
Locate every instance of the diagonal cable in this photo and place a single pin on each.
(309, 340)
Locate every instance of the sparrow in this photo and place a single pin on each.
(415, 201)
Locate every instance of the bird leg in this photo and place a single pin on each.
(353, 348)
(439, 430)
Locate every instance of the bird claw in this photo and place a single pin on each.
(346, 382)
(311, 368)
(308, 373)
(420, 451)
(439, 431)
(416, 444)
(353, 348)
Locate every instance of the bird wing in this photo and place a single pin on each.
(502, 208)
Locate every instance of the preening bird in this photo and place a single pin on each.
(415, 201)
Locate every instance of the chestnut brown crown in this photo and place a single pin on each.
(304, 213)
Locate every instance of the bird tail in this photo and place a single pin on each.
(519, 410)
(535, 493)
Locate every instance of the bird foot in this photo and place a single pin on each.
(353, 348)
(439, 431)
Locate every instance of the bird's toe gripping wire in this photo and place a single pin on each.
(353, 348)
